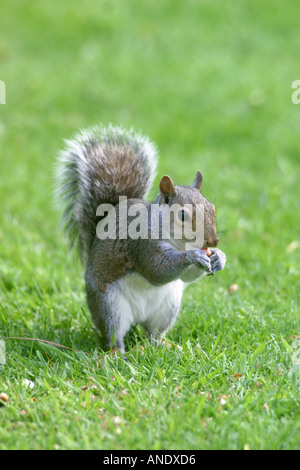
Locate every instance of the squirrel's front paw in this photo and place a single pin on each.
(200, 259)
(217, 260)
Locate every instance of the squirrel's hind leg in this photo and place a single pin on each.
(111, 314)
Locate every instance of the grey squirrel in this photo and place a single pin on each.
(135, 279)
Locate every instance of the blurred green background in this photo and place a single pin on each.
(210, 84)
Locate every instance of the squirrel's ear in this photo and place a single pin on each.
(167, 187)
(198, 180)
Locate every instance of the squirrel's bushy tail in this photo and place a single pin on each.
(97, 167)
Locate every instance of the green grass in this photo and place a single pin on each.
(210, 83)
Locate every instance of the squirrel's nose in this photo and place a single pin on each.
(212, 242)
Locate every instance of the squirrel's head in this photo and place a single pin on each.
(191, 210)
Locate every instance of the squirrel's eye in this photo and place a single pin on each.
(183, 215)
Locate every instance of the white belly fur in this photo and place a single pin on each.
(140, 302)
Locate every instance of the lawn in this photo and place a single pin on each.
(210, 83)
